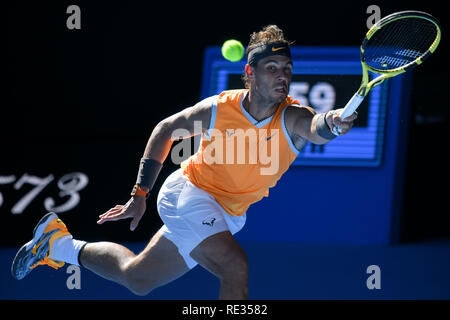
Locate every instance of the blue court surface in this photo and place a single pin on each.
(277, 271)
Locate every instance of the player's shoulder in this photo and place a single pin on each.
(233, 95)
(207, 103)
(295, 110)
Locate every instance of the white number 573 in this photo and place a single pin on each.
(68, 184)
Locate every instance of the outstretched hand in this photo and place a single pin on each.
(333, 119)
(134, 208)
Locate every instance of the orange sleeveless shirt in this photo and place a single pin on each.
(240, 158)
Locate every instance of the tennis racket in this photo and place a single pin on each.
(394, 45)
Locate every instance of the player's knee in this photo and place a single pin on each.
(140, 290)
(138, 284)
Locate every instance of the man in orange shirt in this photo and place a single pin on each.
(249, 139)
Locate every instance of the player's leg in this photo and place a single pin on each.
(202, 231)
(159, 263)
(53, 245)
(221, 255)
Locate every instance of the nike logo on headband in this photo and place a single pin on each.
(276, 49)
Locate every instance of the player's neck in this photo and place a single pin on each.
(259, 107)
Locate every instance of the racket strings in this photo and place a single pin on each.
(399, 43)
(402, 43)
(408, 36)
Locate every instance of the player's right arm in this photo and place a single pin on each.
(157, 149)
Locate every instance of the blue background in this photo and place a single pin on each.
(333, 200)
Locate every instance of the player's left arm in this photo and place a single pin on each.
(304, 123)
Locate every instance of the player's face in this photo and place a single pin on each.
(272, 77)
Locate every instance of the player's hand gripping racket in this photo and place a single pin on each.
(393, 45)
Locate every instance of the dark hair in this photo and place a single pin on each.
(269, 34)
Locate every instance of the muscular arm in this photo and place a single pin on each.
(160, 141)
(158, 147)
(301, 123)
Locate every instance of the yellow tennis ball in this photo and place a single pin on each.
(233, 50)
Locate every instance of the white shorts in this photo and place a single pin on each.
(191, 215)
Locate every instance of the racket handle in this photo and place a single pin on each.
(350, 107)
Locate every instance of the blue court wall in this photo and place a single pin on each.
(342, 205)
(333, 201)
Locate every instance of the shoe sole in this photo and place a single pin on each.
(24, 250)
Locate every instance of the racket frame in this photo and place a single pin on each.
(367, 85)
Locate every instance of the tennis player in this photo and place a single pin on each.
(203, 203)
